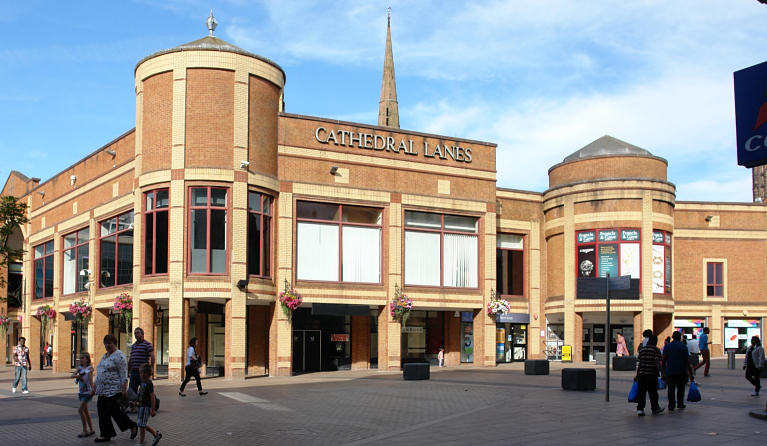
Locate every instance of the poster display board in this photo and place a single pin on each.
(658, 270)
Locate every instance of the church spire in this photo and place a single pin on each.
(388, 112)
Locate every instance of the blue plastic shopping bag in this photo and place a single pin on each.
(693, 395)
(634, 393)
(661, 383)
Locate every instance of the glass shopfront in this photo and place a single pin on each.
(689, 327)
(511, 337)
(738, 333)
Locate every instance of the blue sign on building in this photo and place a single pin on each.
(751, 114)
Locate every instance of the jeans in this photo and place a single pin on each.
(676, 384)
(135, 380)
(648, 384)
(190, 372)
(20, 372)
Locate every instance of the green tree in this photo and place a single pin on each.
(13, 213)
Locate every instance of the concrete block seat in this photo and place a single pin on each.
(624, 363)
(415, 370)
(579, 379)
(536, 367)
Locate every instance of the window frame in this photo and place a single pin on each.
(706, 283)
(227, 220)
(152, 213)
(441, 231)
(262, 215)
(340, 223)
(117, 233)
(75, 248)
(45, 258)
(524, 264)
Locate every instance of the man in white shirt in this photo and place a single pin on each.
(694, 349)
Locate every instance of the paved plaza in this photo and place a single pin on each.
(457, 406)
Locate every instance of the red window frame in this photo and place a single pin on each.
(208, 208)
(340, 223)
(78, 244)
(264, 214)
(47, 256)
(152, 213)
(667, 258)
(714, 279)
(442, 233)
(117, 233)
(524, 243)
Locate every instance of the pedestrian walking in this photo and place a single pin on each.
(84, 378)
(753, 364)
(192, 368)
(146, 406)
(648, 370)
(111, 382)
(21, 364)
(49, 355)
(142, 352)
(621, 348)
(703, 343)
(441, 357)
(694, 350)
(677, 368)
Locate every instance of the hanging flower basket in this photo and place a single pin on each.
(124, 307)
(290, 300)
(80, 310)
(497, 305)
(400, 306)
(4, 321)
(45, 313)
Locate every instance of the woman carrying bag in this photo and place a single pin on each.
(192, 368)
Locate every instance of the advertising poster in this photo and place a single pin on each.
(730, 337)
(630, 235)
(608, 236)
(751, 332)
(630, 260)
(658, 271)
(608, 260)
(467, 346)
(586, 261)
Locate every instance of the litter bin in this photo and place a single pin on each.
(731, 359)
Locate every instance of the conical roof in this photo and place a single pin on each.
(606, 146)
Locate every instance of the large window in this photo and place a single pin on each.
(208, 231)
(715, 279)
(75, 274)
(116, 253)
(441, 250)
(338, 243)
(509, 264)
(603, 252)
(259, 234)
(661, 262)
(156, 232)
(44, 270)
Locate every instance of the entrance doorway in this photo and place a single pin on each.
(78, 342)
(594, 339)
(511, 342)
(307, 351)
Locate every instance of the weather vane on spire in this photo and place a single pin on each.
(388, 15)
(212, 23)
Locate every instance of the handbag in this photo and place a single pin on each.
(693, 395)
(195, 363)
(661, 383)
(634, 393)
(156, 403)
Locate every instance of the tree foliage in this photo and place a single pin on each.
(13, 213)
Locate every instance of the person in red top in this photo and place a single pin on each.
(22, 365)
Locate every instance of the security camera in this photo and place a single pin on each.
(72, 179)
(244, 164)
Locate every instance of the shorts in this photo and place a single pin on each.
(143, 416)
(85, 397)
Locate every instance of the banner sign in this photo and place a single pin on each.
(751, 114)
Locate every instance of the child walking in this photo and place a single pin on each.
(84, 378)
(441, 357)
(146, 405)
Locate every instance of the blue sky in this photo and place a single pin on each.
(540, 79)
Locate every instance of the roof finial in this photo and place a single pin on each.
(388, 16)
(212, 23)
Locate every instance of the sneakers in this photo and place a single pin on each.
(25, 391)
(13, 390)
(181, 393)
(640, 413)
(755, 393)
(203, 392)
(658, 410)
(157, 438)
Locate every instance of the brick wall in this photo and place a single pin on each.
(209, 118)
(157, 122)
(263, 106)
(607, 167)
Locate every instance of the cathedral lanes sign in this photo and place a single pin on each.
(379, 143)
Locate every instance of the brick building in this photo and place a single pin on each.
(218, 200)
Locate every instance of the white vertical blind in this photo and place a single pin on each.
(317, 247)
(422, 258)
(361, 254)
(70, 272)
(460, 261)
